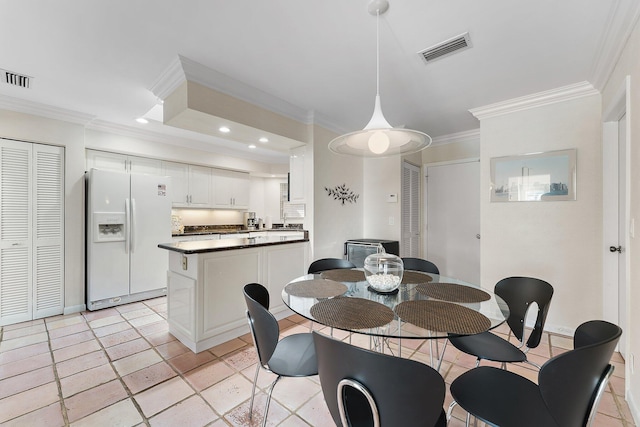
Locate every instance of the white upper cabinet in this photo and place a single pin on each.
(191, 184)
(231, 189)
(122, 163)
(296, 174)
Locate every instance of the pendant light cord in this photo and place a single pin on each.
(378, 52)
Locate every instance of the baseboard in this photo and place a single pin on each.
(633, 407)
(74, 309)
(559, 330)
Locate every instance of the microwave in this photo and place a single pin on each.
(356, 250)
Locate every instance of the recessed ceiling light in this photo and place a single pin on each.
(224, 129)
(264, 139)
(142, 120)
(252, 146)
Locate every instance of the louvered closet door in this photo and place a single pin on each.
(48, 237)
(15, 232)
(31, 231)
(410, 210)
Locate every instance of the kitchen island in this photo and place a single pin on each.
(205, 303)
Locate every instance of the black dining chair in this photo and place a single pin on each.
(292, 356)
(419, 264)
(519, 293)
(366, 388)
(567, 394)
(325, 264)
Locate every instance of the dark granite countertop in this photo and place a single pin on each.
(203, 246)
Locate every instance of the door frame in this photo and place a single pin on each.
(619, 105)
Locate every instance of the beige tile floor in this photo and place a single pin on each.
(120, 366)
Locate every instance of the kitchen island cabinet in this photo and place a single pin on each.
(205, 303)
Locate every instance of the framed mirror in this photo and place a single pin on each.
(534, 177)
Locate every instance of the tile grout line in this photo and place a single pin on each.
(178, 374)
(124, 385)
(63, 407)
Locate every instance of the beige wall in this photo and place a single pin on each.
(629, 65)
(560, 242)
(139, 146)
(30, 128)
(451, 151)
(381, 177)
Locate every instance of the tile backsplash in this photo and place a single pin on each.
(209, 216)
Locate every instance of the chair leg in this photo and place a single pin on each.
(253, 391)
(450, 410)
(266, 409)
(531, 363)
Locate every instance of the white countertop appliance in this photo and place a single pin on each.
(356, 250)
(127, 216)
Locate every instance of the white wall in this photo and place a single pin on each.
(333, 223)
(25, 127)
(560, 242)
(381, 178)
(629, 64)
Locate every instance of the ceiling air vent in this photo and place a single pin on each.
(15, 79)
(445, 48)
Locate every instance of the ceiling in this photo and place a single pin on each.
(101, 59)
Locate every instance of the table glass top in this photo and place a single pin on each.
(425, 305)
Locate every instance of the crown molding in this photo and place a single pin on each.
(48, 111)
(184, 69)
(540, 99)
(464, 136)
(621, 23)
(169, 80)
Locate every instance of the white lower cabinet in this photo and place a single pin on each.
(206, 305)
(31, 231)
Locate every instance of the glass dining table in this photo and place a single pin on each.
(425, 306)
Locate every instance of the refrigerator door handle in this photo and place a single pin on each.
(127, 226)
(133, 225)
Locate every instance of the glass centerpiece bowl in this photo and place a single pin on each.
(383, 272)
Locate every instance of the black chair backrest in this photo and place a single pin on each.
(264, 327)
(419, 264)
(406, 392)
(519, 293)
(568, 382)
(257, 292)
(325, 264)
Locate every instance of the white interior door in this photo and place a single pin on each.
(16, 232)
(453, 219)
(622, 228)
(616, 217)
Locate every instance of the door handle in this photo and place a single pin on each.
(615, 249)
(478, 236)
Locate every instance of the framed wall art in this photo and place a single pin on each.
(535, 177)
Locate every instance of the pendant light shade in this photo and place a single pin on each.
(379, 138)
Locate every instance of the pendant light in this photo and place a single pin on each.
(379, 138)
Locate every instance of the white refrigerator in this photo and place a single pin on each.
(127, 216)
